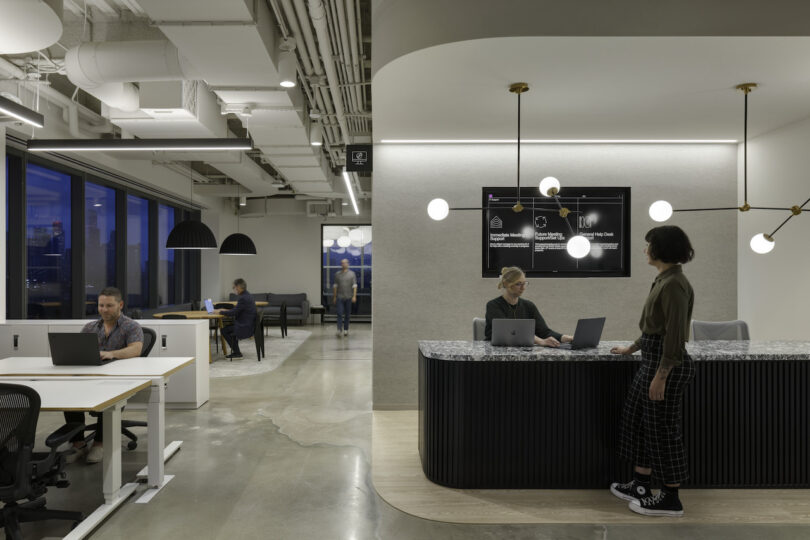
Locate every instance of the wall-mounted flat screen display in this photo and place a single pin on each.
(535, 239)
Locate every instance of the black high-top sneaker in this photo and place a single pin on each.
(665, 503)
(631, 491)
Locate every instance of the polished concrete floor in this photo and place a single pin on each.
(286, 455)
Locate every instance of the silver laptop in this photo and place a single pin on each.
(513, 332)
(587, 334)
(209, 305)
(74, 349)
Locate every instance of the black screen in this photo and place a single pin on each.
(535, 239)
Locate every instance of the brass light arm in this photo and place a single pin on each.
(549, 210)
(705, 209)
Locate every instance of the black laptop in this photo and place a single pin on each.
(74, 349)
(587, 334)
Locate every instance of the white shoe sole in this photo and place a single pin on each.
(636, 507)
(621, 495)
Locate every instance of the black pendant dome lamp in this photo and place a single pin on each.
(191, 234)
(238, 243)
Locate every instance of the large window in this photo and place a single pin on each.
(354, 244)
(48, 220)
(137, 252)
(166, 284)
(99, 242)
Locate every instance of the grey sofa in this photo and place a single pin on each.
(297, 306)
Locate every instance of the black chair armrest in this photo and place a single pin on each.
(63, 434)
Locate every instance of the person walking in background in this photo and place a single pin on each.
(652, 417)
(244, 318)
(345, 294)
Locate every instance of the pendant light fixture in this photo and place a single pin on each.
(238, 243)
(577, 246)
(762, 242)
(191, 234)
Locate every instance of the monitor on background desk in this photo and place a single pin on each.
(209, 305)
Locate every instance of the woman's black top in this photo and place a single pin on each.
(499, 308)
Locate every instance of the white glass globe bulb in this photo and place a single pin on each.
(356, 236)
(578, 246)
(547, 183)
(762, 245)
(328, 243)
(660, 211)
(344, 241)
(438, 209)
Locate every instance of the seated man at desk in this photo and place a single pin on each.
(244, 318)
(118, 337)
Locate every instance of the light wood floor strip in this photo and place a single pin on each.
(398, 478)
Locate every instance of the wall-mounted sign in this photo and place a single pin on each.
(535, 239)
(359, 158)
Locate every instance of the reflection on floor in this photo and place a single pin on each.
(286, 455)
(398, 478)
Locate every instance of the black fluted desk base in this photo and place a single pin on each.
(553, 422)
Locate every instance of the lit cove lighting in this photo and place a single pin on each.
(137, 145)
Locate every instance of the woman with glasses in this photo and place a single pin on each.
(511, 306)
(650, 435)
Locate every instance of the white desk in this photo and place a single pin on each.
(156, 369)
(107, 396)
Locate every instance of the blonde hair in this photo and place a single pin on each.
(509, 275)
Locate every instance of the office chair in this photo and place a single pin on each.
(724, 330)
(149, 339)
(479, 326)
(25, 474)
(282, 318)
(174, 316)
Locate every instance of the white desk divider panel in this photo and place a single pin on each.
(187, 389)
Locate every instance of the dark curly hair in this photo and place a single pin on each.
(669, 244)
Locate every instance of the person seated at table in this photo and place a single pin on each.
(244, 318)
(510, 305)
(119, 337)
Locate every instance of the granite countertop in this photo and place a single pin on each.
(698, 350)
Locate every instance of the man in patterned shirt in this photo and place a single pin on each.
(118, 337)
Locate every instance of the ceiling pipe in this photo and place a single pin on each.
(318, 16)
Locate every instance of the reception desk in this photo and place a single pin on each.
(502, 417)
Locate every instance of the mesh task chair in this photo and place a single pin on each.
(723, 330)
(479, 325)
(25, 474)
(149, 339)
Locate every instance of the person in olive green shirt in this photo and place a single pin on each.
(511, 306)
(651, 421)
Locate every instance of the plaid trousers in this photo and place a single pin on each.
(650, 431)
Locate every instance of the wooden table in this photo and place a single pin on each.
(259, 303)
(201, 314)
(107, 396)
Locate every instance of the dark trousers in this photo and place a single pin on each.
(229, 333)
(651, 435)
(79, 417)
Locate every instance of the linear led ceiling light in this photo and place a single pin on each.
(348, 182)
(19, 112)
(578, 246)
(559, 141)
(137, 145)
(760, 243)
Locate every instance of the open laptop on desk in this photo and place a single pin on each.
(209, 306)
(587, 334)
(74, 349)
(513, 332)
